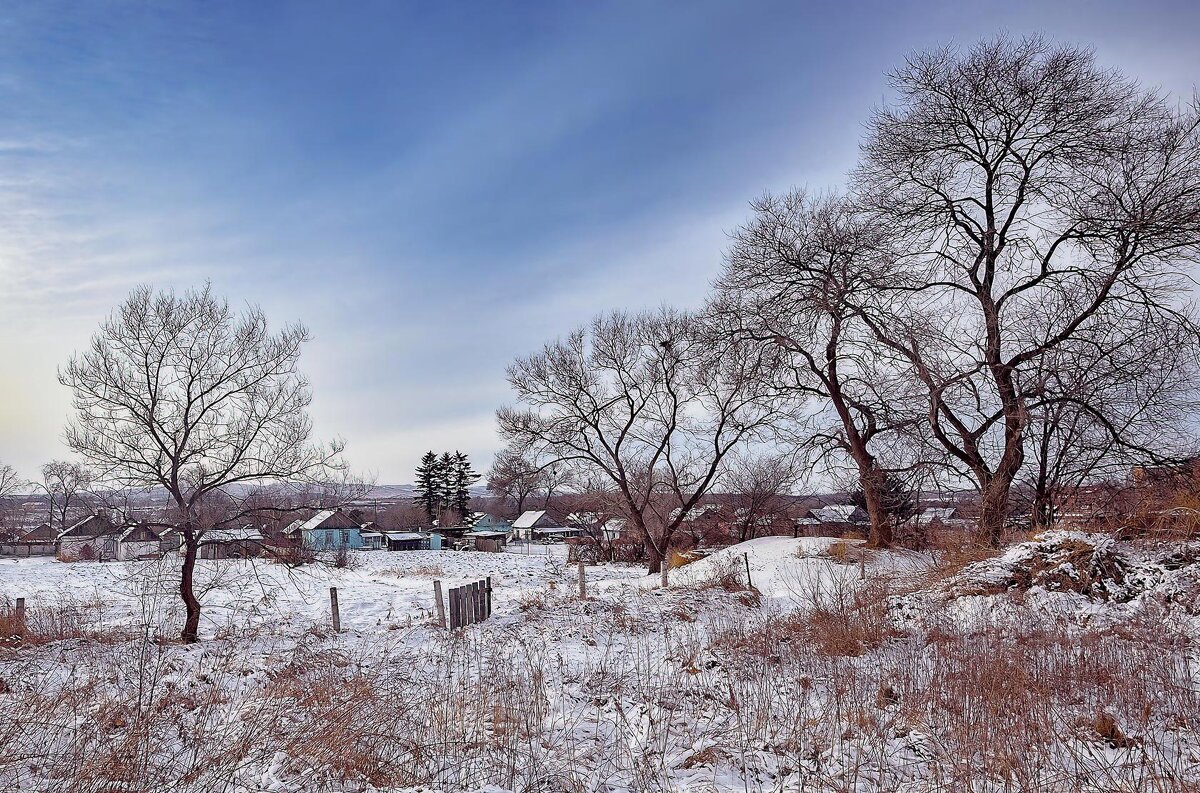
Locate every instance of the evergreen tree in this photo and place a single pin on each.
(429, 485)
(461, 477)
(898, 501)
(445, 481)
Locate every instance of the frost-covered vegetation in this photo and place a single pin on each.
(1018, 672)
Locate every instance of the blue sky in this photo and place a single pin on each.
(434, 188)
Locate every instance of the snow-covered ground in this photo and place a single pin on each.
(839, 670)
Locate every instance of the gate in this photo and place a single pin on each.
(470, 603)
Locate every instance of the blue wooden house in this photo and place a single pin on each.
(331, 530)
(482, 521)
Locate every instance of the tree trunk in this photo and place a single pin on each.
(191, 623)
(1042, 513)
(654, 558)
(881, 527)
(871, 480)
(993, 510)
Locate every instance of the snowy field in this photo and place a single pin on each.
(837, 670)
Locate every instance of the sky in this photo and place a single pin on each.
(435, 188)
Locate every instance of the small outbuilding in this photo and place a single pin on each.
(492, 541)
(413, 541)
(35, 542)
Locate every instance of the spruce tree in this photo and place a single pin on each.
(429, 485)
(462, 476)
(445, 483)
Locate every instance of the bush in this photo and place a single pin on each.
(295, 555)
(344, 559)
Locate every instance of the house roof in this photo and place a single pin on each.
(405, 535)
(91, 526)
(696, 512)
(127, 530)
(528, 519)
(247, 532)
(329, 519)
(834, 513)
(941, 513)
(43, 532)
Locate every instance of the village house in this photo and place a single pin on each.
(597, 525)
(170, 540)
(97, 537)
(331, 530)
(483, 521)
(831, 520)
(540, 525)
(245, 542)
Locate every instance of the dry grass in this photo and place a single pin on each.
(678, 559)
(624, 695)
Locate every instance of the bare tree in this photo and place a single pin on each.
(799, 276)
(1097, 417)
(179, 392)
(758, 487)
(519, 478)
(65, 484)
(1037, 200)
(652, 402)
(11, 484)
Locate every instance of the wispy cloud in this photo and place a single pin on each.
(432, 189)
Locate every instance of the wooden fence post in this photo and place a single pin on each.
(489, 596)
(441, 608)
(21, 615)
(582, 582)
(749, 583)
(333, 605)
(453, 598)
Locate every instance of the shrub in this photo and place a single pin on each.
(345, 559)
(295, 555)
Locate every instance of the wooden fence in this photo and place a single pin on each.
(470, 603)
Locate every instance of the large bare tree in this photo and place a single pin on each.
(182, 393)
(1037, 199)
(652, 402)
(799, 276)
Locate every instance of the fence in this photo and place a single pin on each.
(470, 603)
(27, 549)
